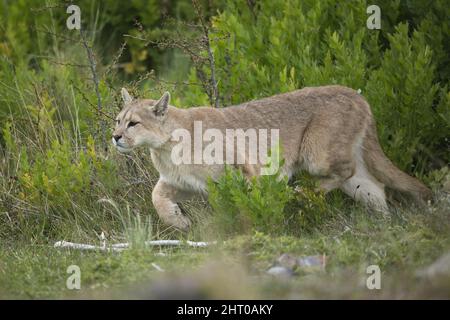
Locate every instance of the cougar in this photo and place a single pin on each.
(328, 131)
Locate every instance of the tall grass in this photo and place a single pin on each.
(59, 181)
(55, 166)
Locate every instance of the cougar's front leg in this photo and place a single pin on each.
(165, 198)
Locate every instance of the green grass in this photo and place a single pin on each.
(401, 245)
(40, 271)
(58, 181)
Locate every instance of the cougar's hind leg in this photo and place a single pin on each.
(364, 187)
(331, 168)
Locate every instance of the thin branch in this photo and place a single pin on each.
(56, 35)
(123, 246)
(207, 43)
(116, 58)
(90, 103)
(69, 64)
(93, 66)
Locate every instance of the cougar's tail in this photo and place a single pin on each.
(386, 172)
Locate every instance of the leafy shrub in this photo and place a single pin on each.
(53, 157)
(278, 46)
(241, 205)
(60, 175)
(309, 210)
(405, 100)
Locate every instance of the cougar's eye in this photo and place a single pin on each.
(132, 124)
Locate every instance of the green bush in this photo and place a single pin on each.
(60, 177)
(242, 205)
(310, 209)
(56, 157)
(278, 46)
(268, 204)
(410, 107)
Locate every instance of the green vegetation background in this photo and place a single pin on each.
(60, 178)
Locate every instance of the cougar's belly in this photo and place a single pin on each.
(186, 177)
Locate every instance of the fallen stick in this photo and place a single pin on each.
(82, 246)
(168, 243)
(154, 265)
(123, 246)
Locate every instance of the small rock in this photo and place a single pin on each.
(280, 271)
(318, 261)
(288, 261)
(307, 264)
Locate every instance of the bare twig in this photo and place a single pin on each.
(198, 48)
(59, 36)
(93, 66)
(90, 103)
(68, 64)
(124, 246)
(207, 43)
(115, 60)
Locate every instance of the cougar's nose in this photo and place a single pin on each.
(117, 137)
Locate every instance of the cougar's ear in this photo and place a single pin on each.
(161, 107)
(126, 96)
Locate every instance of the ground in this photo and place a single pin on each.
(403, 245)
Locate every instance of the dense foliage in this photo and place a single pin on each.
(60, 178)
(56, 161)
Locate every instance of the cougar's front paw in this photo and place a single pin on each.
(181, 222)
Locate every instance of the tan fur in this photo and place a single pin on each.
(328, 131)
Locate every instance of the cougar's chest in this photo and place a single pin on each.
(183, 176)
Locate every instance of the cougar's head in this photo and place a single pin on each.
(141, 123)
